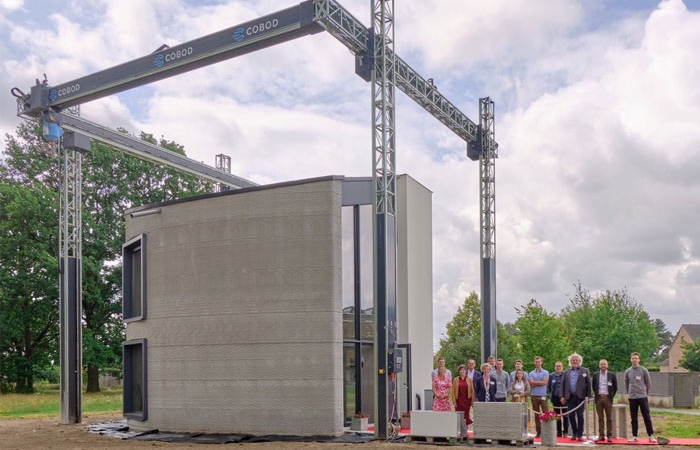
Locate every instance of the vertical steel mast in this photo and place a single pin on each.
(384, 182)
(70, 282)
(487, 179)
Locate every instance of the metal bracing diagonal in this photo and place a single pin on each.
(487, 176)
(426, 95)
(341, 24)
(70, 207)
(355, 36)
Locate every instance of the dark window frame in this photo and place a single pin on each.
(135, 246)
(129, 410)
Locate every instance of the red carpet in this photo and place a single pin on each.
(616, 441)
(641, 441)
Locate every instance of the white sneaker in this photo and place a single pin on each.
(632, 439)
(652, 439)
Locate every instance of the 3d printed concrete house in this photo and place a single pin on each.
(250, 311)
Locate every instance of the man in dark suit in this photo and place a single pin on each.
(472, 372)
(485, 387)
(604, 389)
(576, 388)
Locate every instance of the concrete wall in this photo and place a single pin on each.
(668, 390)
(415, 280)
(243, 321)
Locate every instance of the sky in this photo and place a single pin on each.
(597, 119)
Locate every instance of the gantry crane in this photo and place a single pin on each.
(375, 61)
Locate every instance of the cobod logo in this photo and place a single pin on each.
(254, 29)
(162, 58)
(56, 93)
(239, 34)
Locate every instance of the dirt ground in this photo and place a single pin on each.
(43, 434)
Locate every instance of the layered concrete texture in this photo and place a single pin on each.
(243, 311)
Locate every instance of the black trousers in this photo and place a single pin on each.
(575, 418)
(560, 408)
(635, 405)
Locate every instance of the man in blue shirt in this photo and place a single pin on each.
(538, 391)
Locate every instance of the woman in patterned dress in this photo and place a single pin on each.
(442, 384)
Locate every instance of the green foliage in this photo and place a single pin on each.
(28, 274)
(665, 338)
(463, 337)
(462, 340)
(610, 326)
(509, 348)
(691, 356)
(112, 182)
(540, 333)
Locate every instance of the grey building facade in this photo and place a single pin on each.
(239, 314)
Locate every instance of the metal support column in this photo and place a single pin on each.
(487, 179)
(70, 283)
(384, 186)
(223, 163)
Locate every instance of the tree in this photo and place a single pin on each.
(28, 274)
(691, 356)
(463, 336)
(540, 333)
(665, 338)
(112, 183)
(608, 326)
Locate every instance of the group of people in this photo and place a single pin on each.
(567, 390)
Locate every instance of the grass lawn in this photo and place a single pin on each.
(676, 425)
(46, 401)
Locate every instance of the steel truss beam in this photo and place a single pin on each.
(145, 150)
(355, 36)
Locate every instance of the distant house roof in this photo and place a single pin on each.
(693, 330)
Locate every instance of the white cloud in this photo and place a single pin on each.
(11, 4)
(598, 122)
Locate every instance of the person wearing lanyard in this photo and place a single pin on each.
(577, 386)
(485, 388)
(638, 384)
(604, 389)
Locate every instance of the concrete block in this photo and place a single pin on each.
(445, 424)
(500, 421)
